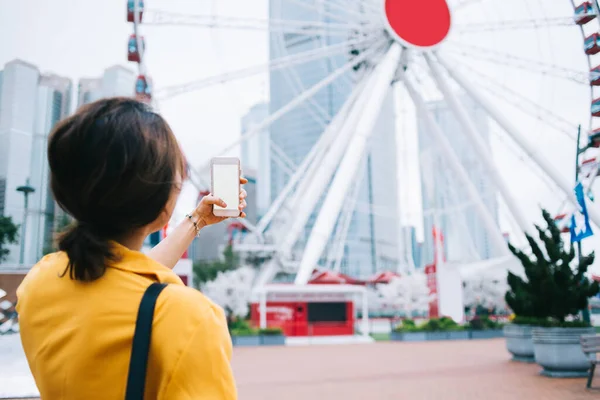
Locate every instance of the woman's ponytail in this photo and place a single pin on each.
(88, 252)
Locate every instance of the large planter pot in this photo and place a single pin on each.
(519, 342)
(487, 334)
(272, 340)
(245, 340)
(558, 351)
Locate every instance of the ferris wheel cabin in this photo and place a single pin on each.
(592, 44)
(563, 223)
(133, 53)
(595, 76)
(143, 90)
(596, 107)
(584, 13)
(594, 138)
(131, 10)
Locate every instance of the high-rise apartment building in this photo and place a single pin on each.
(30, 105)
(115, 81)
(255, 155)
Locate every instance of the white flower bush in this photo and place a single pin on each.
(232, 290)
(486, 291)
(408, 293)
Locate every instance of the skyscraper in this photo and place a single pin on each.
(115, 81)
(30, 105)
(53, 104)
(446, 204)
(256, 155)
(371, 243)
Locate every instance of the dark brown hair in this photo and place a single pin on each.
(113, 165)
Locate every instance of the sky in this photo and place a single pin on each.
(80, 38)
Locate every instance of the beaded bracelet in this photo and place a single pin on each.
(196, 227)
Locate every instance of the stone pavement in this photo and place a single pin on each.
(460, 370)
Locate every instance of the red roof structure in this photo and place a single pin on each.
(332, 278)
(383, 277)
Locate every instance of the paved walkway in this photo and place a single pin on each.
(461, 370)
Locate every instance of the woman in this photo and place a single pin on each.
(117, 169)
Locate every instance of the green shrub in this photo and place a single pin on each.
(483, 323)
(244, 332)
(270, 331)
(555, 286)
(443, 324)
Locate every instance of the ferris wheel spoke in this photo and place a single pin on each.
(311, 162)
(344, 8)
(477, 142)
(509, 128)
(462, 4)
(514, 25)
(525, 105)
(299, 100)
(510, 60)
(443, 145)
(347, 169)
(159, 17)
(272, 65)
(283, 157)
(317, 7)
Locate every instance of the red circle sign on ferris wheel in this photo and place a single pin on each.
(418, 23)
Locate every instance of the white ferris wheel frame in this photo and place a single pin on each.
(386, 73)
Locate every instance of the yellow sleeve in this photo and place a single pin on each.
(204, 370)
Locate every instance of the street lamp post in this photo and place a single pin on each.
(26, 190)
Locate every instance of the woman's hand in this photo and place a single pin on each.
(204, 212)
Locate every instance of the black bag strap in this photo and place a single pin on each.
(138, 364)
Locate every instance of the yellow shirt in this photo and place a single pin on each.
(77, 336)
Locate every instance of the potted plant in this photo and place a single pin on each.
(271, 337)
(482, 327)
(242, 334)
(555, 292)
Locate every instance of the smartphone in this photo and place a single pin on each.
(225, 184)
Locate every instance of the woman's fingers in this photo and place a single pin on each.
(243, 180)
(243, 194)
(242, 205)
(212, 200)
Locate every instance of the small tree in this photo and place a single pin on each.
(232, 291)
(554, 289)
(206, 271)
(483, 292)
(410, 293)
(8, 235)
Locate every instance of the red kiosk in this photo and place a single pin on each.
(324, 307)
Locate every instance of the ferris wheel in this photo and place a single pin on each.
(530, 67)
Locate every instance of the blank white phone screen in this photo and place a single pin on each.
(226, 183)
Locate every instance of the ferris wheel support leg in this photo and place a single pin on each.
(330, 210)
(564, 184)
(478, 143)
(454, 163)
